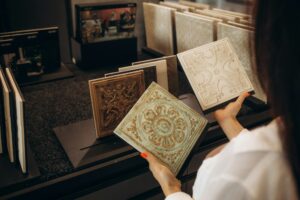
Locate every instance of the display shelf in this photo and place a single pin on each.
(12, 176)
(58, 177)
(123, 167)
(83, 148)
(62, 73)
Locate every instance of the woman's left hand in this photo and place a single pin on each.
(167, 180)
(227, 117)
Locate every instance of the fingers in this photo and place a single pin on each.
(148, 156)
(152, 160)
(154, 164)
(144, 155)
(242, 98)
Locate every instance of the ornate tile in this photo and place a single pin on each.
(163, 125)
(112, 98)
(215, 74)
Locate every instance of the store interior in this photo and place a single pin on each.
(62, 99)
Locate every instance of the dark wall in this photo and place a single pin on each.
(28, 14)
(3, 22)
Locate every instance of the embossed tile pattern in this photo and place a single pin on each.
(163, 125)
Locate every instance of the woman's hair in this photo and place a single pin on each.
(277, 51)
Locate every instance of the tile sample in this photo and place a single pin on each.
(215, 14)
(172, 71)
(177, 6)
(237, 14)
(20, 121)
(8, 104)
(161, 71)
(112, 98)
(240, 40)
(159, 25)
(215, 74)
(192, 31)
(241, 25)
(150, 74)
(196, 5)
(163, 125)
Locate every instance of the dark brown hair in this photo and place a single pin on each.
(277, 50)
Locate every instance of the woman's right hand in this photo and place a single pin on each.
(227, 117)
(167, 180)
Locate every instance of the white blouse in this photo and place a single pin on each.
(251, 166)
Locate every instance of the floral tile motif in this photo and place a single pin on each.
(163, 125)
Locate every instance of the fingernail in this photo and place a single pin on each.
(143, 155)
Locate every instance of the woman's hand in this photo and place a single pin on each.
(227, 117)
(168, 182)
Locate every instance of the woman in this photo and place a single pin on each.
(263, 163)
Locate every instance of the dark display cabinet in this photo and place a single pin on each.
(104, 32)
(33, 55)
(104, 54)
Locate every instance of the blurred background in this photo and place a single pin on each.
(29, 14)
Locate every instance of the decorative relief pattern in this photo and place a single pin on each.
(163, 125)
(113, 97)
(192, 31)
(159, 28)
(240, 40)
(215, 73)
(150, 74)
